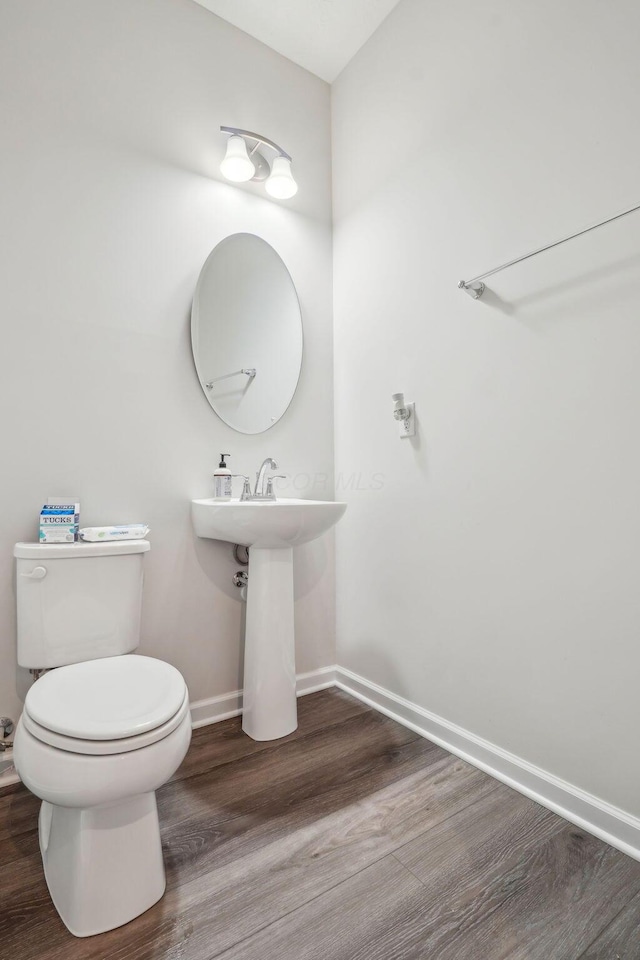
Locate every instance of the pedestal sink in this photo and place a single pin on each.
(271, 529)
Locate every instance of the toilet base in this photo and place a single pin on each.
(103, 865)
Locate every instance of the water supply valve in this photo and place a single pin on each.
(6, 725)
(241, 580)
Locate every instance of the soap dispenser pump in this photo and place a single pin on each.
(222, 480)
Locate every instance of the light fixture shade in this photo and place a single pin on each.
(281, 183)
(237, 165)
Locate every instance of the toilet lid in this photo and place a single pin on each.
(103, 748)
(107, 699)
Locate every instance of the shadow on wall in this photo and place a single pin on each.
(377, 666)
(23, 677)
(310, 563)
(582, 284)
(586, 282)
(215, 559)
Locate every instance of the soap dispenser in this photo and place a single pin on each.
(222, 480)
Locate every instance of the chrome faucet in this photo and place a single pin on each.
(267, 464)
(264, 485)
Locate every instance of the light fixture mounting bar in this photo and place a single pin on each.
(235, 131)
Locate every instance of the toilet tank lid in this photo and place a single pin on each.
(73, 551)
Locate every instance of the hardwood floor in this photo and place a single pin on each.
(351, 839)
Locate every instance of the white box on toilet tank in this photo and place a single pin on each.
(78, 601)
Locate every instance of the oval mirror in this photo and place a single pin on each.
(246, 333)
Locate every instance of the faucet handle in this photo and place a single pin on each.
(270, 491)
(246, 486)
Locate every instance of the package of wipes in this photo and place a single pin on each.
(59, 520)
(122, 531)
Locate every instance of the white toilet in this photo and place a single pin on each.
(98, 735)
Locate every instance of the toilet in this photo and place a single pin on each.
(100, 733)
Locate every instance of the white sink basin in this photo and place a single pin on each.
(274, 524)
(270, 529)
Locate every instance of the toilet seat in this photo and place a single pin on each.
(106, 706)
(97, 748)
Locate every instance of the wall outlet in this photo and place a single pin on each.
(408, 427)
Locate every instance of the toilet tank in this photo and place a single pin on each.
(77, 601)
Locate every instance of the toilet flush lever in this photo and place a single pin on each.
(38, 573)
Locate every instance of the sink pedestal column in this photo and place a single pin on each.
(269, 699)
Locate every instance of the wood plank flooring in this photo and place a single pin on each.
(351, 839)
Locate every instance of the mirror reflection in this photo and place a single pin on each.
(246, 333)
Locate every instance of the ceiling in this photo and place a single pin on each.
(319, 35)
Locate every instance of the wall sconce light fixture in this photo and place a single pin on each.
(405, 414)
(243, 161)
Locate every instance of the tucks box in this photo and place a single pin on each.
(59, 522)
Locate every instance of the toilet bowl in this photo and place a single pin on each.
(95, 741)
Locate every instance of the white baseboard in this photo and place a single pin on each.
(315, 680)
(204, 712)
(215, 709)
(592, 814)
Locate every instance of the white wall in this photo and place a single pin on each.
(495, 578)
(111, 200)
